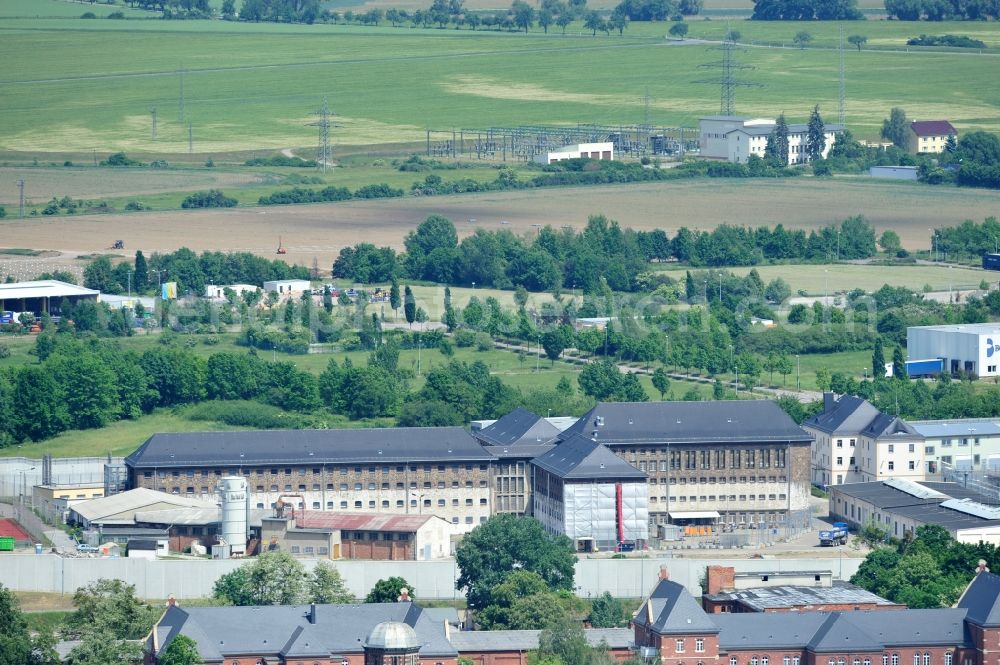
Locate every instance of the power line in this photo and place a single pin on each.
(190, 139)
(645, 101)
(728, 79)
(180, 99)
(842, 115)
(324, 153)
(20, 185)
(153, 111)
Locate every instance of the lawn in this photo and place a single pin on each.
(257, 86)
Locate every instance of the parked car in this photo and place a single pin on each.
(84, 548)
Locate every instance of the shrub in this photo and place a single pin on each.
(380, 191)
(158, 164)
(88, 15)
(133, 206)
(484, 342)
(4, 351)
(303, 195)
(116, 16)
(243, 413)
(955, 41)
(213, 198)
(464, 338)
(120, 159)
(281, 160)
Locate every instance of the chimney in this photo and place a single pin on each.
(312, 614)
(171, 601)
(981, 568)
(664, 575)
(829, 401)
(404, 595)
(720, 578)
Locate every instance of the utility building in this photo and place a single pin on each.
(585, 491)
(970, 348)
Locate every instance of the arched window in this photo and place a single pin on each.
(734, 661)
(895, 659)
(947, 658)
(857, 661)
(868, 661)
(763, 660)
(916, 658)
(927, 658)
(754, 661)
(787, 660)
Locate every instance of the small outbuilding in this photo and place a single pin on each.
(601, 151)
(286, 286)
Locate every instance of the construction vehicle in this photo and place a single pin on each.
(835, 536)
(281, 247)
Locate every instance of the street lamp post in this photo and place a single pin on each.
(798, 383)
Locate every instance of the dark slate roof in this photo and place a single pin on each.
(580, 458)
(670, 609)
(520, 426)
(838, 634)
(334, 446)
(848, 415)
(644, 423)
(981, 601)
(932, 128)
(521, 451)
(885, 497)
(136, 544)
(286, 630)
(885, 425)
(472, 641)
(841, 632)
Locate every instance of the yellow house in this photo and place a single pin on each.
(929, 136)
(55, 500)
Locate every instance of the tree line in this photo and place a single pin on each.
(567, 259)
(806, 10)
(925, 569)
(942, 10)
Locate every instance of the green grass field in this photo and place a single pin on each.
(256, 85)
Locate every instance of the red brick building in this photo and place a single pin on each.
(671, 625)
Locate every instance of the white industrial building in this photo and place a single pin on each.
(585, 491)
(578, 151)
(971, 348)
(218, 292)
(42, 296)
(735, 138)
(284, 286)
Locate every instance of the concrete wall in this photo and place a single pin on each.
(627, 578)
(22, 473)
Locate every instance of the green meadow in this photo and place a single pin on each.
(256, 86)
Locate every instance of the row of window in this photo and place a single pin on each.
(343, 470)
(721, 497)
(731, 518)
(357, 487)
(918, 658)
(711, 480)
(964, 441)
(748, 458)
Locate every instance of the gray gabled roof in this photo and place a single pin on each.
(520, 426)
(303, 447)
(885, 425)
(840, 632)
(670, 609)
(644, 423)
(837, 634)
(286, 630)
(580, 458)
(472, 641)
(849, 414)
(981, 600)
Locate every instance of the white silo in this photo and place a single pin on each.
(233, 492)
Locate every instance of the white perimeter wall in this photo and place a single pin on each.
(625, 578)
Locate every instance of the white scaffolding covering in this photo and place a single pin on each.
(590, 512)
